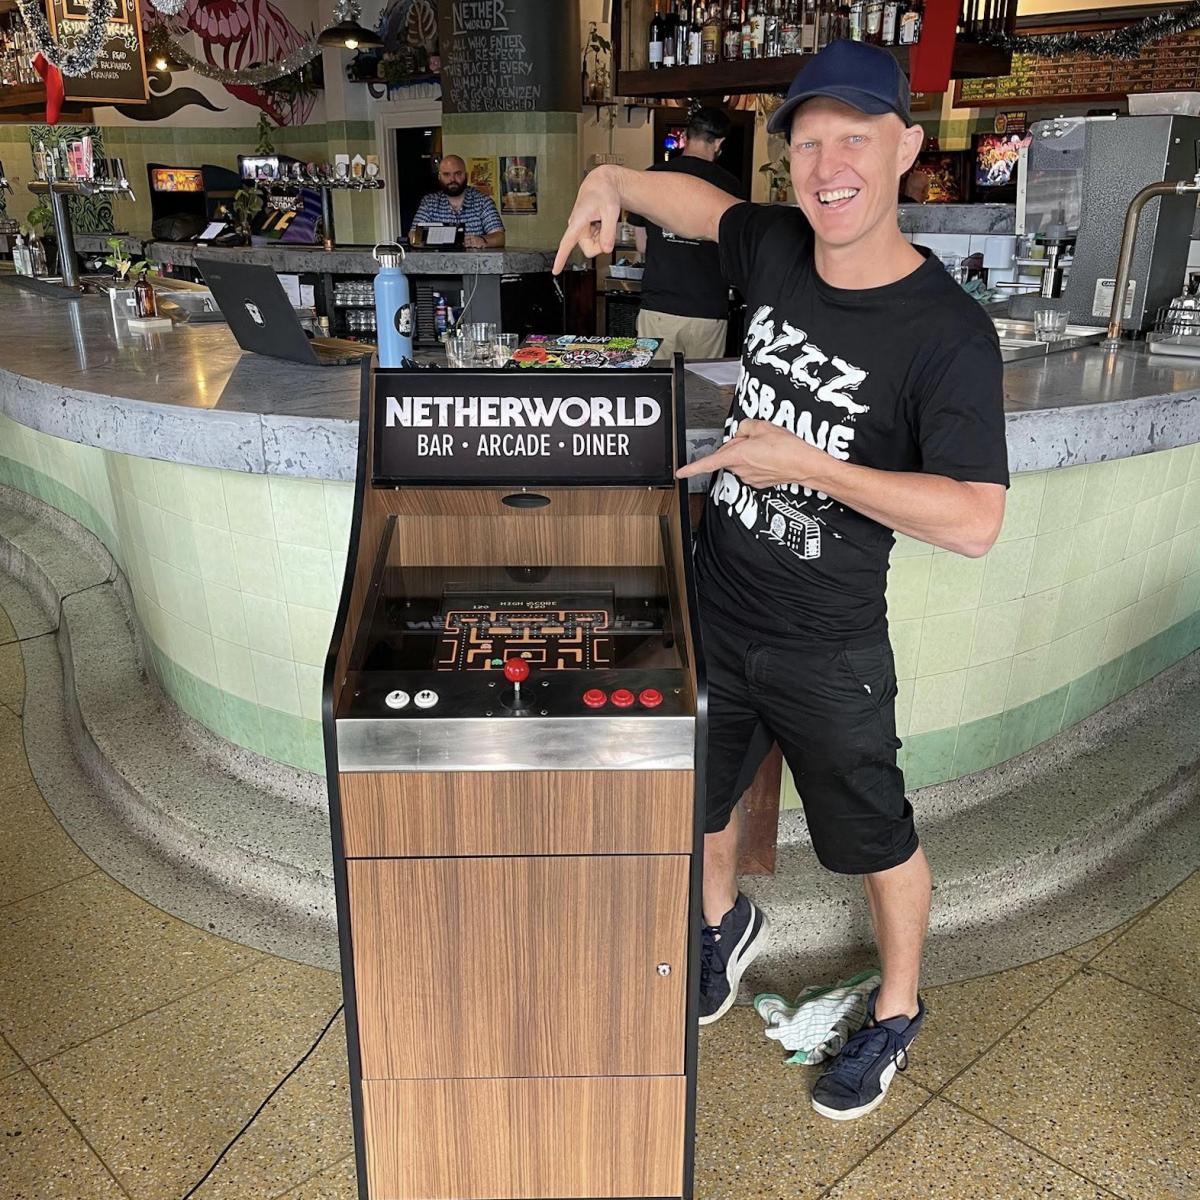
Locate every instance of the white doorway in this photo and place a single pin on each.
(416, 124)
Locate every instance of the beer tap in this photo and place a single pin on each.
(58, 192)
(5, 186)
(1116, 315)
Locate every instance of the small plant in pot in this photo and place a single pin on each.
(596, 71)
(779, 179)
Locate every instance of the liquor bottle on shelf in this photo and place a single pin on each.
(747, 42)
(757, 28)
(873, 29)
(671, 36)
(858, 20)
(695, 38)
(825, 23)
(771, 30)
(732, 48)
(910, 23)
(809, 22)
(789, 29)
(841, 27)
(891, 22)
(143, 297)
(656, 37)
(710, 38)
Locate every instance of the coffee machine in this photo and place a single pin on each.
(1075, 183)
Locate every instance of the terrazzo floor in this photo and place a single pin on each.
(134, 1046)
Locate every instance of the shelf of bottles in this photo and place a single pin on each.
(674, 48)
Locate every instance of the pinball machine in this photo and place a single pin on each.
(514, 716)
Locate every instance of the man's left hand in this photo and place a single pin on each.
(763, 455)
(475, 243)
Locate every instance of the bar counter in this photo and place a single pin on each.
(220, 482)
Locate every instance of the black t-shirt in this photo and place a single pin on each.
(906, 377)
(684, 277)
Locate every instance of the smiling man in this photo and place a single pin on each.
(869, 401)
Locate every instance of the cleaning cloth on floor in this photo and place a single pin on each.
(816, 1027)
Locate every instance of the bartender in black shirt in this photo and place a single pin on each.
(685, 299)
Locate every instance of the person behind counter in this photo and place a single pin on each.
(685, 299)
(454, 203)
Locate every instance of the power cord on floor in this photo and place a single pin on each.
(234, 1140)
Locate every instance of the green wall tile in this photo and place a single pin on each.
(1023, 508)
(1050, 712)
(937, 701)
(1039, 615)
(955, 583)
(1060, 504)
(929, 758)
(1072, 607)
(275, 683)
(1025, 682)
(986, 690)
(1131, 668)
(996, 629)
(1099, 482)
(283, 736)
(946, 642)
(267, 627)
(1016, 731)
(977, 745)
(1079, 699)
(1006, 571)
(314, 748)
(1050, 557)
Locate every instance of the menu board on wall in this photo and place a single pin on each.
(509, 56)
(1170, 65)
(119, 76)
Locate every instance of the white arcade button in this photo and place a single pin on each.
(425, 699)
(396, 699)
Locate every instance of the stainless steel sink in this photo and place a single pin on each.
(1017, 340)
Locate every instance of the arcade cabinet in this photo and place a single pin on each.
(514, 716)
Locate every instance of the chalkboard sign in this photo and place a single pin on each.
(509, 56)
(510, 428)
(119, 76)
(1169, 65)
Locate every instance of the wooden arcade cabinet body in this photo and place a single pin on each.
(516, 848)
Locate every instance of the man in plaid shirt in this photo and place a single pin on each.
(457, 204)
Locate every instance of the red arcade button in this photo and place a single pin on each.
(623, 698)
(651, 698)
(595, 698)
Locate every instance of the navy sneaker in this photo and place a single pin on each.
(726, 950)
(857, 1081)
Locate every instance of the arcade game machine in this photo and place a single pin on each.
(514, 716)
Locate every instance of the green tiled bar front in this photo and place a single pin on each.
(1093, 587)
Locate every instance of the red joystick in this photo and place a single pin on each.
(516, 670)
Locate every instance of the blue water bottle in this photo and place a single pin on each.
(393, 307)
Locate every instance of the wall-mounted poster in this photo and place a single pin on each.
(518, 185)
(481, 175)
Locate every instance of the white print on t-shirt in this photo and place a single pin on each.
(780, 513)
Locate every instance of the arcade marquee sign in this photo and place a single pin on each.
(503, 427)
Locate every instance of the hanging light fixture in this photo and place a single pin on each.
(347, 33)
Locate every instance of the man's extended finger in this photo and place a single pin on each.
(570, 239)
(608, 229)
(711, 462)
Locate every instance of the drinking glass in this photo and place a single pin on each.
(1049, 324)
(504, 347)
(460, 351)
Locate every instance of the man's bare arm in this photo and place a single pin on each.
(683, 204)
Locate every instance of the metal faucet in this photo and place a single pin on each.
(113, 183)
(5, 186)
(1128, 240)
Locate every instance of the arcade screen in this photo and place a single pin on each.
(176, 179)
(451, 619)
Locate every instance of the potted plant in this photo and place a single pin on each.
(779, 179)
(125, 274)
(247, 201)
(596, 74)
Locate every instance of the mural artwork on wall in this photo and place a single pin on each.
(233, 34)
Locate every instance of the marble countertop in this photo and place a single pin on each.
(347, 260)
(190, 395)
